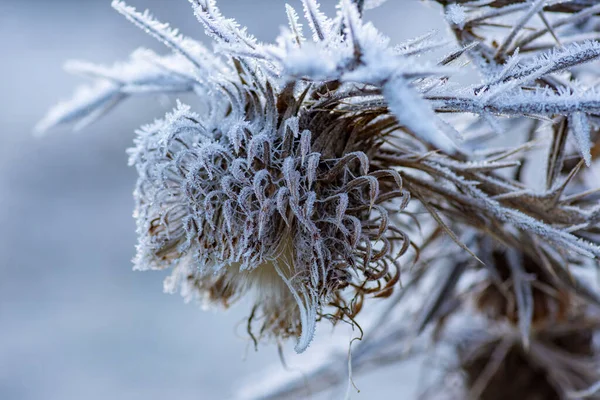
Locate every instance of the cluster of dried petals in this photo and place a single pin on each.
(259, 202)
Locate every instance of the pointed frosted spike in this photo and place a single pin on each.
(364, 161)
(245, 196)
(316, 20)
(85, 102)
(456, 54)
(162, 32)
(236, 136)
(581, 129)
(311, 168)
(309, 204)
(340, 209)
(221, 29)
(418, 39)
(385, 220)
(307, 305)
(571, 19)
(228, 214)
(261, 179)
(288, 169)
(524, 221)
(256, 146)
(373, 190)
(369, 180)
(141, 74)
(92, 70)
(238, 169)
(292, 124)
(353, 24)
(282, 197)
(305, 138)
(419, 45)
(228, 185)
(396, 176)
(295, 26)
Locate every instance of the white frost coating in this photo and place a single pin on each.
(307, 305)
(457, 15)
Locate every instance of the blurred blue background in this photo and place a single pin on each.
(75, 321)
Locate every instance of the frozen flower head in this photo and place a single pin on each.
(262, 192)
(283, 185)
(279, 187)
(259, 202)
(270, 189)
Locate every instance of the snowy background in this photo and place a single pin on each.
(75, 321)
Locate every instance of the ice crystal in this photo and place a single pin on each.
(456, 14)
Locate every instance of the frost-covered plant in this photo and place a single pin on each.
(291, 183)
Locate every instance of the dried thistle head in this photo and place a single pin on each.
(270, 189)
(234, 203)
(289, 181)
(284, 183)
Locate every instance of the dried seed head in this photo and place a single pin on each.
(278, 200)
